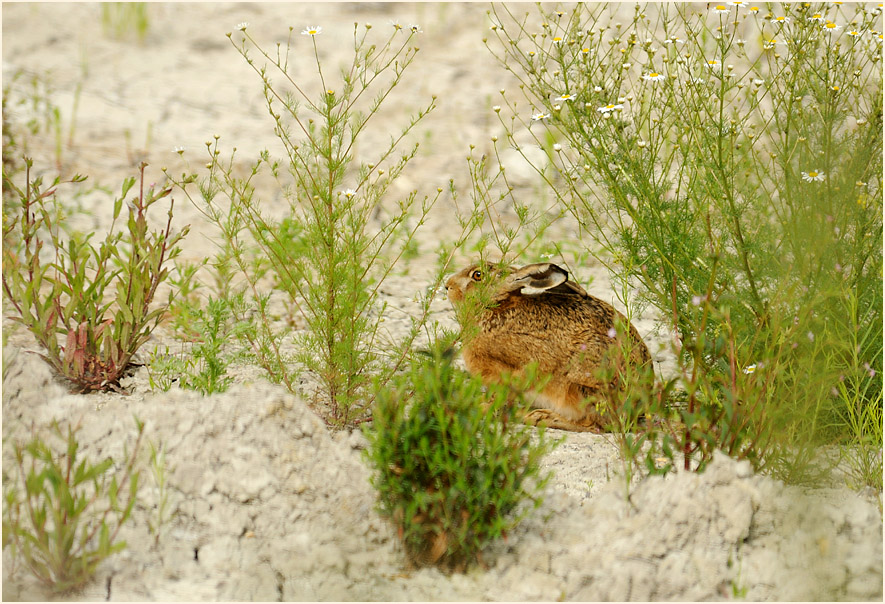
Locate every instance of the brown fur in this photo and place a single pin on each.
(538, 315)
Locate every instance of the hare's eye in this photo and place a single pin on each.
(476, 275)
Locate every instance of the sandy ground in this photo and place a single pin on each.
(267, 503)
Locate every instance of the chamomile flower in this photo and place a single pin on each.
(781, 20)
(674, 40)
(750, 369)
(585, 51)
(349, 193)
(565, 97)
(831, 27)
(753, 9)
(835, 88)
(178, 150)
(653, 76)
(853, 33)
(558, 39)
(738, 3)
(242, 26)
(769, 44)
(610, 107)
(540, 116)
(816, 17)
(416, 29)
(813, 175)
(396, 24)
(597, 89)
(312, 31)
(714, 64)
(720, 9)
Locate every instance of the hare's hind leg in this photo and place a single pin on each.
(564, 405)
(551, 419)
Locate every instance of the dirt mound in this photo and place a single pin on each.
(267, 504)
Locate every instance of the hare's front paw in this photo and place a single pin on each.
(552, 419)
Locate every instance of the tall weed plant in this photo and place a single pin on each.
(726, 161)
(341, 236)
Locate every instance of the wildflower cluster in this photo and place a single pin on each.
(727, 154)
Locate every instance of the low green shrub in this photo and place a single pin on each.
(62, 513)
(453, 462)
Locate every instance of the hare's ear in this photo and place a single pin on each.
(535, 279)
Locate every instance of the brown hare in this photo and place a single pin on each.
(538, 315)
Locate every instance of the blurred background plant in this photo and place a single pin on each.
(123, 19)
(31, 98)
(725, 163)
